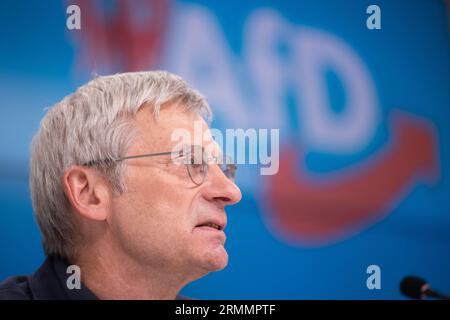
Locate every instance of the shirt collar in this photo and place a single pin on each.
(49, 282)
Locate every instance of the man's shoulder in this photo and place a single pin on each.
(15, 288)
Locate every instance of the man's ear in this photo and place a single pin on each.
(88, 192)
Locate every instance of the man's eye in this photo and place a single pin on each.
(195, 162)
(196, 165)
(196, 159)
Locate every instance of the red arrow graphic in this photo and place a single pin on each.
(320, 211)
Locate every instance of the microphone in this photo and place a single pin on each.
(417, 288)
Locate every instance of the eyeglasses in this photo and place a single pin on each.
(194, 157)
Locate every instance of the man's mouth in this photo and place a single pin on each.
(211, 226)
(214, 228)
(212, 223)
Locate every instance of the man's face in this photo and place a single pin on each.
(156, 221)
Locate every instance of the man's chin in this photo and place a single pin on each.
(216, 260)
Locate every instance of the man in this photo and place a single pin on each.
(116, 197)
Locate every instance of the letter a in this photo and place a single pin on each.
(73, 281)
(374, 280)
(374, 20)
(74, 19)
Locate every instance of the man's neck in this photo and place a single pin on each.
(111, 274)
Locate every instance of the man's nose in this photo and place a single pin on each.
(220, 188)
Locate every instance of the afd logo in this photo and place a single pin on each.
(278, 79)
(280, 61)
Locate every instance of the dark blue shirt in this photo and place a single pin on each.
(47, 283)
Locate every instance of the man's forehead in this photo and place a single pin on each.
(155, 133)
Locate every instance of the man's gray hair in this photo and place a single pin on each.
(94, 123)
